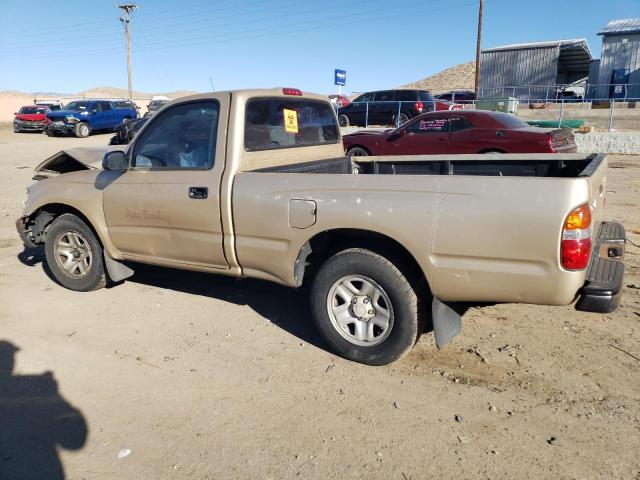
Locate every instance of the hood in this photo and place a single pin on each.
(64, 113)
(31, 117)
(370, 133)
(72, 160)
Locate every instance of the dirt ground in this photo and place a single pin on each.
(187, 375)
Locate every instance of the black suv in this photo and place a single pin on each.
(386, 107)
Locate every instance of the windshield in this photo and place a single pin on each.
(32, 110)
(76, 106)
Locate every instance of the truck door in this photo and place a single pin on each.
(166, 206)
(108, 115)
(96, 121)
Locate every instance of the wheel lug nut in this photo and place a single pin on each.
(366, 300)
(355, 300)
(370, 312)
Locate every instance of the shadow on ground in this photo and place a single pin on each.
(283, 306)
(35, 420)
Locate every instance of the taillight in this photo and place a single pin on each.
(292, 91)
(575, 249)
(419, 106)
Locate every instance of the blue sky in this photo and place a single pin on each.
(70, 45)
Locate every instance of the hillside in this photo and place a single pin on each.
(114, 92)
(458, 77)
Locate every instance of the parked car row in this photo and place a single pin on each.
(388, 107)
(78, 118)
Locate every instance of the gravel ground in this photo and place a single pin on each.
(185, 375)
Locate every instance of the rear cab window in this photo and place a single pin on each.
(508, 121)
(275, 123)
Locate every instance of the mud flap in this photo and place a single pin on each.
(117, 271)
(446, 322)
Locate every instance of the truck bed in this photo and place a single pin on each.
(513, 165)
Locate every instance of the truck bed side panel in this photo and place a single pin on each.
(476, 238)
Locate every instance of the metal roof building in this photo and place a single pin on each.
(621, 52)
(530, 70)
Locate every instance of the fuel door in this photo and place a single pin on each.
(302, 213)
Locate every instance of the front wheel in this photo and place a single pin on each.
(365, 308)
(82, 130)
(357, 152)
(74, 254)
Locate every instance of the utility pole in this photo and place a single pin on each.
(127, 8)
(477, 82)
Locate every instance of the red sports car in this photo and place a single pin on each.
(30, 118)
(460, 131)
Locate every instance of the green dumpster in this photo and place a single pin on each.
(505, 105)
(566, 123)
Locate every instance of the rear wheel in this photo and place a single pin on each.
(82, 130)
(403, 118)
(357, 152)
(343, 120)
(365, 308)
(74, 254)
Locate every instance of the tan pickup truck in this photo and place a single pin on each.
(254, 183)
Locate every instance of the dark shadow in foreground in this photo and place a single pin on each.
(35, 420)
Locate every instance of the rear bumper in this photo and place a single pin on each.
(602, 290)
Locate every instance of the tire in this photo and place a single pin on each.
(343, 120)
(390, 325)
(403, 118)
(67, 235)
(357, 152)
(82, 130)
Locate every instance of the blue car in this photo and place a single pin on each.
(82, 117)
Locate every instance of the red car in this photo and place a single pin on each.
(339, 100)
(30, 118)
(460, 131)
(446, 105)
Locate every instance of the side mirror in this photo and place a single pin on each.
(115, 160)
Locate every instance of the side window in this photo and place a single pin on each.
(95, 108)
(406, 96)
(182, 137)
(365, 97)
(459, 123)
(385, 96)
(429, 125)
(105, 106)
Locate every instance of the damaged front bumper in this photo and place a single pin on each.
(22, 226)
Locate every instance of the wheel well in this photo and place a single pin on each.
(359, 146)
(52, 211)
(326, 244)
(490, 150)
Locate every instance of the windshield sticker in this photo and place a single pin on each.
(290, 121)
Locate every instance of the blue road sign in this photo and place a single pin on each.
(340, 77)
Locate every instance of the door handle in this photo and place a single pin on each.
(198, 193)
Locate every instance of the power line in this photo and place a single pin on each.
(229, 37)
